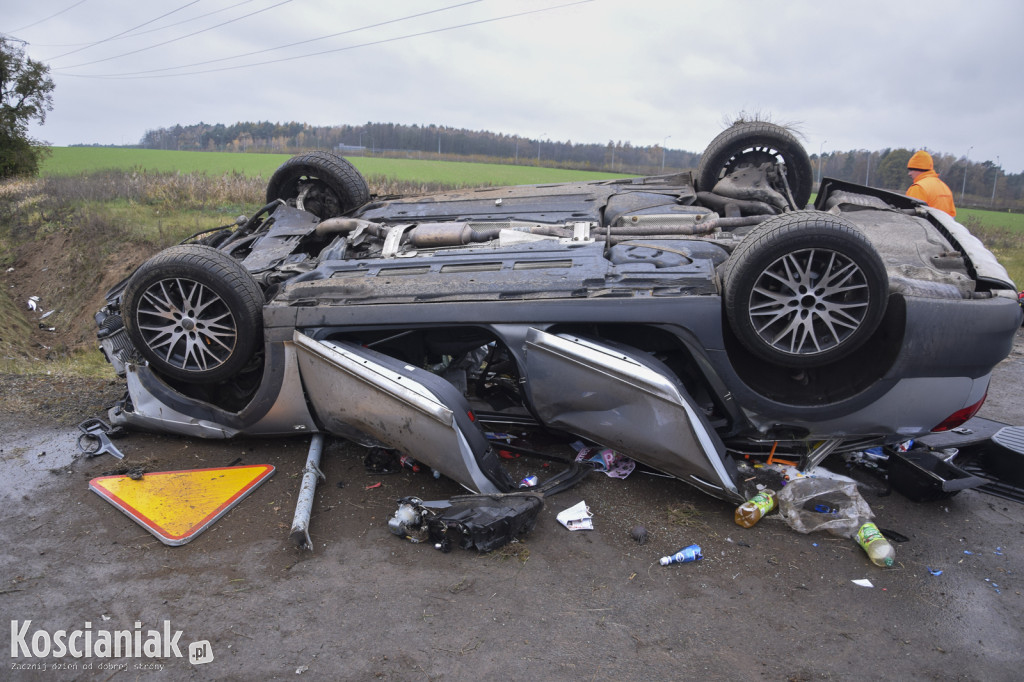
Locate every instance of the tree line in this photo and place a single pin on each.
(981, 184)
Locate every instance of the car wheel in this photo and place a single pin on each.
(804, 289)
(194, 313)
(752, 144)
(322, 183)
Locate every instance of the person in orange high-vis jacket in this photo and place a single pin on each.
(926, 183)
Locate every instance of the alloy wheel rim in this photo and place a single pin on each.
(809, 302)
(187, 324)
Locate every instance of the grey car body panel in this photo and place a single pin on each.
(404, 407)
(278, 408)
(596, 390)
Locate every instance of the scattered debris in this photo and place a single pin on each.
(933, 571)
(480, 522)
(683, 556)
(33, 303)
(576, 517)
(751, 511)
(612, 463)
(863, 582)
(842, 509)
(95, 440)
(639, 533)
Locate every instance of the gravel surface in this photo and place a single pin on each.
(764, 603)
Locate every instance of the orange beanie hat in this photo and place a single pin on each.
(921, 160)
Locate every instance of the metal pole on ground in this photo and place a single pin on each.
(304, 505)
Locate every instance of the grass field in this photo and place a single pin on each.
(78, 160)
(187, 173)
(1013, 222)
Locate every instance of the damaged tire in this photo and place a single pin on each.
(194, 313)
(322, 183)
(804, 289)
(750, 145)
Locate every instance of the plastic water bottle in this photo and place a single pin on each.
(683, 556)
(751, 511)
(874, 543)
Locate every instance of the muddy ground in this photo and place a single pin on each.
(764, 603)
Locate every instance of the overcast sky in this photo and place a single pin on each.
(942, 75)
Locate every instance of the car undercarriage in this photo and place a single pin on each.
(684, 320)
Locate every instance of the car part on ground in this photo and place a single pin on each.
(480, 522)
(686, 324)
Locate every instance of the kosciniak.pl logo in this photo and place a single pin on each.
(86, 642)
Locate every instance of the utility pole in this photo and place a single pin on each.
(820, 147)
(539, 140)
(994, 181)
(663, 142)
(963, 186)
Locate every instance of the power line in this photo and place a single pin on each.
(57, 14)
(116, 35)
(174, 40)
(154, 73)
(301, 42)
(152, 30)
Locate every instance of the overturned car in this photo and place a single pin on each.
(685, 320)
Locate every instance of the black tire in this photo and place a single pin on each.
(323, 183)
(804, 289)
(746, 144)
(195, 313)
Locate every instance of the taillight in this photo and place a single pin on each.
(960, 416)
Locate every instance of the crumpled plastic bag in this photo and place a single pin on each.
(840, 508)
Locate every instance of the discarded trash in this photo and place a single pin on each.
(481, 522)
(863, 582)
(967, 551)
(683, 556)
(176, 506)
(874, 543)
(576, 517)
(639, 533)
(33, 303)
(751, 511)
(528, 482)
(47, 314)
(612, 463)
(375, 485)
(933, 571)
(999, 551)
(409, 463)
(994, 585)
(799, 502)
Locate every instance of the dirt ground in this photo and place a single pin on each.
(764, 603)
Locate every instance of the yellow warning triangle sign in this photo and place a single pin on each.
(176, 506)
